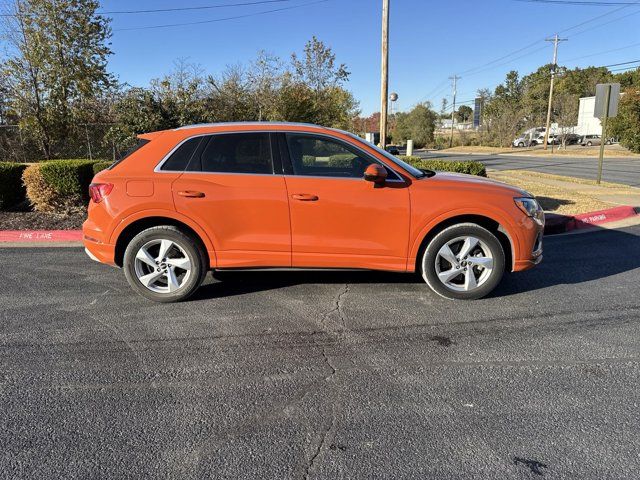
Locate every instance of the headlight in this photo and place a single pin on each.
(531, 208)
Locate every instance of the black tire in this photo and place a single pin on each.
(428, 265)
(521, 145)
(191, 247)
(589, 144)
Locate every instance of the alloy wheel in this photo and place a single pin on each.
(464, 263)
(162, 266)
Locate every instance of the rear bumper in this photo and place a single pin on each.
(94, 245)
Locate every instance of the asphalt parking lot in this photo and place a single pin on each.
(323, 374)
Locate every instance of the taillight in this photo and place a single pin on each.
(97, 191)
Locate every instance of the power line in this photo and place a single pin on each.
(182, 9)
(491, 64)
(578, 2)
(166, 10)
(215, 20)
(618, 64)
(602, 52)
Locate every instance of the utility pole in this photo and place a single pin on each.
(555, 41)
(384, 84)
(455, 79)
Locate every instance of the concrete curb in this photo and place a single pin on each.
(555, 223)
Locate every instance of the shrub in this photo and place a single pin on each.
(343, 160)
(12, 190)
(68, 177)
(308, 160)
(58, 185)
(471, 168)
(101, 165)
(42, 196)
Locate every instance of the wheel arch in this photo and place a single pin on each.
(491, 224)
(126, 233)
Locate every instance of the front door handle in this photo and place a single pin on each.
(190, 194)
(304, 197)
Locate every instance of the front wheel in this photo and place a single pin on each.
(463, 262)
(164, 264)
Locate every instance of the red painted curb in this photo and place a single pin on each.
(40, 236)
(585, 220)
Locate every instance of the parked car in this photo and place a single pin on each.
(522, 141)
(591, 140)
(539, 140)
(571, 139)
(392, 149)
(284, 195)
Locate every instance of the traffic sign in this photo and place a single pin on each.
(604, 91)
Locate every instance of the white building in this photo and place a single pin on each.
(587, 123)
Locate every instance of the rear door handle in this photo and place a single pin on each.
(190, 194)
(305, 197)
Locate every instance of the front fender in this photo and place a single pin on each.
(501, 218)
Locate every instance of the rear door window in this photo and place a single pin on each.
(237, 153)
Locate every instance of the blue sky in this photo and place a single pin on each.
(429, 40)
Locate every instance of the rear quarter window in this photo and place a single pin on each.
(181, 156)
(141, 143)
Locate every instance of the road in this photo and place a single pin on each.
(323, 374)
(625, 170)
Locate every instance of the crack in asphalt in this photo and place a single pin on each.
(322, 444)
(337, 308)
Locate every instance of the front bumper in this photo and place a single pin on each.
(531, 246)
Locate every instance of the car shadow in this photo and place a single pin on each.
(568, 259)
(577, 258)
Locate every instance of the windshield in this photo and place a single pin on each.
(412, 170)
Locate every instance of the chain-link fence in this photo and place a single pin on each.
(83, 141)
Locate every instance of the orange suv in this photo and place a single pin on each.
(260, 195)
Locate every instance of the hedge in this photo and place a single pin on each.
(58, 185)
(101, 165)
(470, 167)
(12, 190)
(341, 160)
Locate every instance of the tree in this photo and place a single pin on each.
(56, 67)
(565, 110)
(503, 113)
(181, 93)
(464, 113)
(444, 105)
(582, 81)
(318, 69)
(418, 125)
(626, 125)
(628, 79)
(136, 111)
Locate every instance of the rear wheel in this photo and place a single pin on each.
(164, 264)
(463, 262)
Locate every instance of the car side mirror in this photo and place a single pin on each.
(376, 173)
